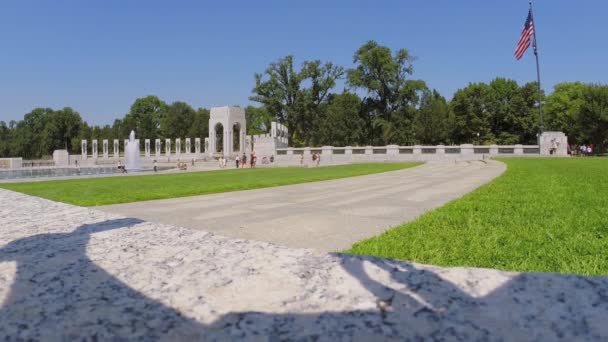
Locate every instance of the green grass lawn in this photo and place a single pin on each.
(548, 215)
(112, 190)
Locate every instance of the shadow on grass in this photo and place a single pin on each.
(60, 294)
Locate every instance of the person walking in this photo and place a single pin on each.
(244, 160)
(253, 159)
(155, 168)
(236, 160)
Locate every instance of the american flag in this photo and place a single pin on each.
(526, 37)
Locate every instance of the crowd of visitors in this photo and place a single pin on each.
(583, 150)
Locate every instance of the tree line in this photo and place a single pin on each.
(381, 103)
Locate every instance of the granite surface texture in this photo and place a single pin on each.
(70, 273)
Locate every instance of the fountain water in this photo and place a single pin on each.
(132, 154)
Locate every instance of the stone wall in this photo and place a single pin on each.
(10, 163)
(395, 153)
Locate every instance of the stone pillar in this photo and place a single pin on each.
(369, 150)
(157, 148)
(95, 149)
(116, 149)
(207, 146)
(518, 150)
(147, 148)
(348, 153)
(188, 146)
(178, 147)
(493, 150)
(106, 149)
(440, 149)
(167, 148)
(467, 150)
(83, 149)
(197, 146)
(417, 149)
(327, 154)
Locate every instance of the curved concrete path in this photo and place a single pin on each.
(326, 216)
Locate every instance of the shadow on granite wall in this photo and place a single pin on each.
(68, 297)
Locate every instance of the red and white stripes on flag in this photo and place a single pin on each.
(526, 37)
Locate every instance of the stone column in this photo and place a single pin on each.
(83, 149)
(369, 150)
(197, 146)
(493, 150)
(106, 148)
(95, 149)
(188, 146)
(178, 147)
(116, 149)
(207, 146)
(147, 147)
(168, 148)
(157, 148)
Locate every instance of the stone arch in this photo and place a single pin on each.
(218, 131)
(229, 118)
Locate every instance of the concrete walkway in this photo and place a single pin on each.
(326, 216)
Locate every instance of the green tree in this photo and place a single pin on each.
(178, 119)
(594, 115)
(145, 117)
(562, 110)
(391, 96)
(432, 119)
(471, 115)
(280, 92)
(342, 124)
(258, 120)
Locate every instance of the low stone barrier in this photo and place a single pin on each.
(395, 153)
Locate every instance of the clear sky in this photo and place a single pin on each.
(99, 56)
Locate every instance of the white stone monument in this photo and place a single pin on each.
(206, 146)
(188, 146)
(227, 128)
(95, 148)
(116, 149)
(553, 144)
(147, 147)
(197, 146)
(178, 147)
(157, 148)
(106, 149)
(167, 148)
(83, 149)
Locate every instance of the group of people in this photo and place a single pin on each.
(316, 159)
(586, 150)
(241, 161)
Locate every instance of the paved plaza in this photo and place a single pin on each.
(326, 216)
(72, 273)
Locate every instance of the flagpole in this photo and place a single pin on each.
(540, 96)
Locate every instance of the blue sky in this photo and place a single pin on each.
(99, 56)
